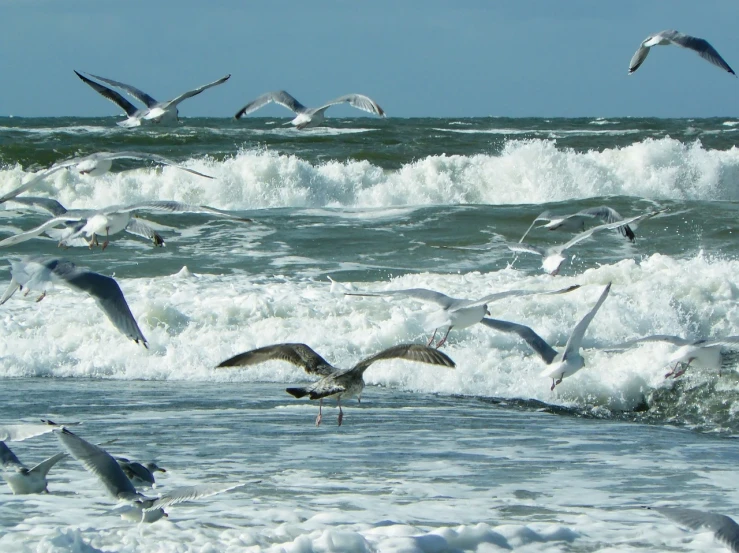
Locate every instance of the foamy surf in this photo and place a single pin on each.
(536, 170)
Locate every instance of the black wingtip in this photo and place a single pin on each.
(297, 392)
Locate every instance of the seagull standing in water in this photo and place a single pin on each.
(93, 165)
(455, 312)
(562, 364)
(165, 113)
(664, 38)
(143, 509)
(577, 221)
(704, 353)
(20, 478)
(338, 383)
(39, 273)
(310, 117)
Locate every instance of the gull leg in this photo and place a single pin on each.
(672, 372)
(558, 381)
(341, 413)
(553, 385)
(320, 414)
(42, 296)
(431, 341)
(441, 342)
(682, 369)
(105, 244)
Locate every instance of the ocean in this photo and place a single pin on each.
(484, 457)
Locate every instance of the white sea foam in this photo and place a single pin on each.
(194, 322)
(533, 169)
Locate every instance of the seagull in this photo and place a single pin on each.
(20, 478)
(93, 165)
(309, 117)
(338, 383)
(146, 509)
(562, 364)
(112, 220)
(140, 475)
(552, 256)
(705, 353)
(155, 112)
(455, 312)
(577, 221)
(724, 528)
(698, 45)
(38, 273)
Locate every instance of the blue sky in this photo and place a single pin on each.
(428, 58)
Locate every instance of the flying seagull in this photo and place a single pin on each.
(93, 165)
(562, 364)
(724, 529)
(38, 273)
(112, 220)
(309, 117)
(698, 45)
(576, 222)
(705, 353)
(155, 112)
(140, 475)
(146, 509)
(552, 257)
(20, 478)
(338, 383)
(455, 312)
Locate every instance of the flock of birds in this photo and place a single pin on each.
(120, 476)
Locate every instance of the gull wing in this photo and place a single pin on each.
(298, 354)
(588, 233)
(140, 227)
(99, 462)
(609, 215)
(29, 183)
(523, 247)
(149, 157)
(702, 47)
(675, 340)
(541, 217)
(106, 292)
(23, 236)
(573, 343)
(536, 342)
(417, 293)
(728, 342)
(12, 288)
(189, 493)
(359, 101)
(194, 92)
(44, 466)
(410, 352)
(278, 97)
(724, 528)
(20, 432)
(639, 56)
(517, 293)
(8, 458)
(132, 90)
(174, 207)
(49, 205)
(111, 95)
